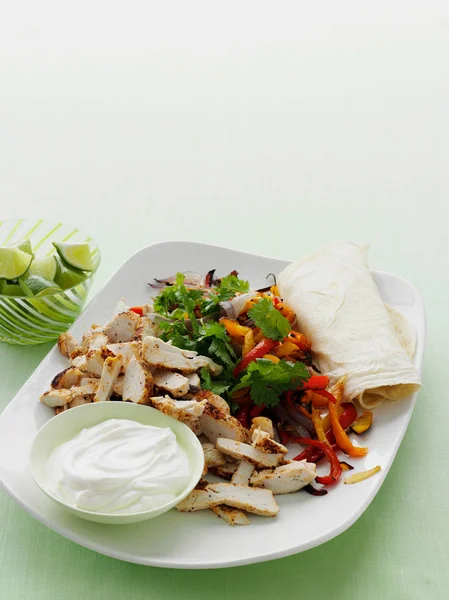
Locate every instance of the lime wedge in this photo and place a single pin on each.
(13, 262)
(24, 245)
(54, 289)
(33, 285)
(75, 255)
(66, 277)
(12, 289)
(43, 266)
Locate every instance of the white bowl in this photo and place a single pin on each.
(68, 424)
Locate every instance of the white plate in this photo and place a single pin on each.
(201, 540)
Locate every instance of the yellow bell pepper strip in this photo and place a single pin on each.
(286, 348)
(363, 423)
(347, 414)
(248, 343)
(262, 348)
(318, 424)
(346, 466)
(274, 290)
(234, 329)
(274, 359)
(362, 475)
(341, 438)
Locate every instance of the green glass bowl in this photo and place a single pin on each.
(36, 320)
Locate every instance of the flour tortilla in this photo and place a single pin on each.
(353, 333)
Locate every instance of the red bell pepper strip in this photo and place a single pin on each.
(243, 415)
(348, 416)
(335, 470)
(316, 382)
(257, 410)
(263, 347)
(138, 310)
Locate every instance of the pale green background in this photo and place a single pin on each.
(271, 127)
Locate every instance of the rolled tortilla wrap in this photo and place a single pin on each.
(338, 307)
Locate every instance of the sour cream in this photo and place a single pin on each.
(119, 466)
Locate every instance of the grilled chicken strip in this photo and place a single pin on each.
(287, 478)
(92, 362)
(243, 473)
(54, 398)
(263, 423)
(232, 516)
(236, 496)
(172, 383)
(109, 375)
(67, 344)
(262, 441)
(215, 424)
(137, 384)
(217, 401)
(186, 411)
(67, 378)
(122, 327)
(127, 350)
(242, 451)
(160, 354)
(212, 457)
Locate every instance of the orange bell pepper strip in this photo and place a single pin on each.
(341, 438)
(285, 310)
(299, 340)
(234, 328)
(316, 382)
(248, 343)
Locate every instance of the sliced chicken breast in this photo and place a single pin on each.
(194, 380)
(216, 424)
(67, 344)
(137, 384)
(242, 451)
(144, 328)
(243, 473)
(232, 516)
(160, 354)
(67, 378)
(263, 423)
(122, 327)
(186, 411)
(54, 398)
(236, 496)
(172, 383)
(225, 471)
(109, 375)
(127, 350)
(262, 441)
(287, 478)
(212, 457)
(215, 400)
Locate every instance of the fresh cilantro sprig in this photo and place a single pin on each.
(272, 323)
(230, 286)
(216, 386)
(268, 380)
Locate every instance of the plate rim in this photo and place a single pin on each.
(270, 555)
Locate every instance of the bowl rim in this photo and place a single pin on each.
(91, 241)
(193, 441)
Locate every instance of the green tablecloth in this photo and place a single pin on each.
(266, 127)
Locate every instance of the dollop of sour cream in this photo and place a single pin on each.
(119, 466)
